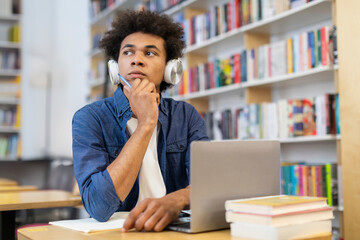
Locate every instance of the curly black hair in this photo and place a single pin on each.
(129, 22)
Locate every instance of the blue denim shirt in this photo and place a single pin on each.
(99, 135)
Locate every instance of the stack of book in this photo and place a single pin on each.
(279, 217)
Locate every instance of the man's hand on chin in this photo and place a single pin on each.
(154, 214)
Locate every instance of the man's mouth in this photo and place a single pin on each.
(136, 74)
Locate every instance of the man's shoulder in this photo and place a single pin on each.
(97, 108)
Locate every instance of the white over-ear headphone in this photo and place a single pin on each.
(172, 74)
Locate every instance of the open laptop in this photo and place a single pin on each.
(225, 170)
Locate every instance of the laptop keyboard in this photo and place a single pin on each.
(182, 220)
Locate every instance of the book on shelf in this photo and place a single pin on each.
(311, 230)
(10, 59)
(9, 146)
(296, 54)
(310, 180)
(286, 118)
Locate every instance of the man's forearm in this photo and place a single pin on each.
(181, 197)
(124, 170)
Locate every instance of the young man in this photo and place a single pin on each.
(131, 151)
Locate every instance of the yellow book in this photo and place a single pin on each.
(186, 82)
(273, 205)
(290, 55)
(313, 180)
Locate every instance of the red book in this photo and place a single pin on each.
(237, 68)
(212, 77)
(237, 10)
(324, 46)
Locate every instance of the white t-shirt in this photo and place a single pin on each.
(151, 182)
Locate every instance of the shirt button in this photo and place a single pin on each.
(182, 147)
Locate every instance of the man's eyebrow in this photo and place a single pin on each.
(146, 46)
(128, 46)
(152, 46)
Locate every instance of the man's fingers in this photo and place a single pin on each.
(144, 217)
(153, 220)
(133, 215)
(164, 221)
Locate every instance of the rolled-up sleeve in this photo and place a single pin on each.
(90, 162)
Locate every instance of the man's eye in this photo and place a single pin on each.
(127, 52)
(150, 53)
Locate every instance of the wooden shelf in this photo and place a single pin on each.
(9, 129)
(10, 18)
(9, 101)
(9, 73)
(292, 19)
(309, 139)
(10, 45)
(100, 19)
(295, 78)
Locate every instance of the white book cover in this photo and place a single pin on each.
(273, 122)
(278, 58)
(89, 225)
(320, 110)
(282, 119)
(243, 123)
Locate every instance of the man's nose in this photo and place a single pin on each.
(138, 60)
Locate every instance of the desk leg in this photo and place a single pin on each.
(7, 221)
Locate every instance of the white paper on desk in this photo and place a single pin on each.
(88, 225)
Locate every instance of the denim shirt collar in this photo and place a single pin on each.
(122, 104)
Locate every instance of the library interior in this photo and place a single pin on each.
(276, 74)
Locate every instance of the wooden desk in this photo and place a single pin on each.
(6, 189)
(9, 202)
(59, 233)
(7, 182)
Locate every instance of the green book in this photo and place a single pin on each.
(328, 184)
(319, 60)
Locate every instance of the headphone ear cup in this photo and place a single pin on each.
(173, 71)
(113, 72)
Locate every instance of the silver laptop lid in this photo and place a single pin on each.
(224, 170)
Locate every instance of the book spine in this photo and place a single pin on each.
(328, 184)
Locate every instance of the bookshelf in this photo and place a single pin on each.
(10, 81)
(344, 149)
